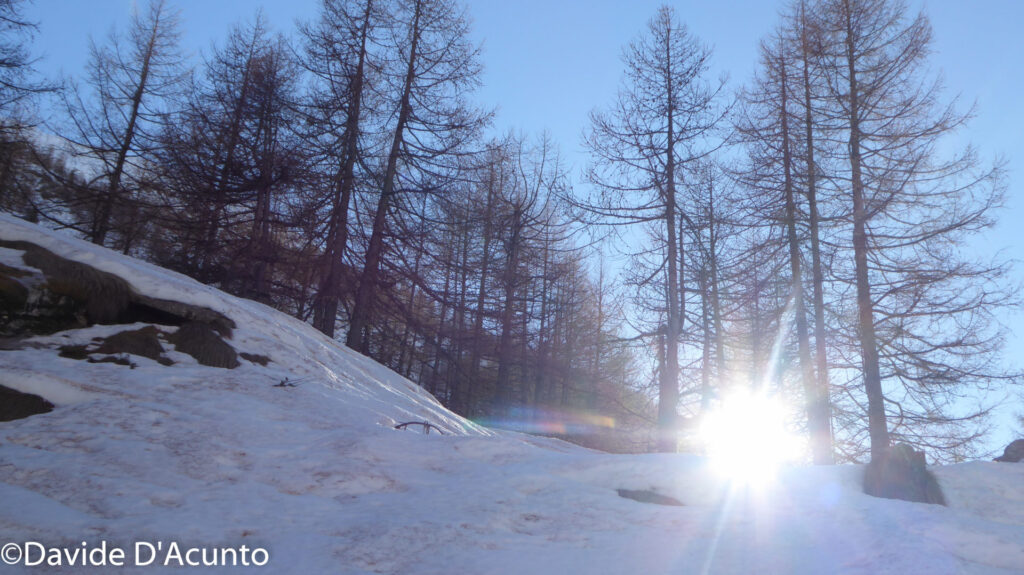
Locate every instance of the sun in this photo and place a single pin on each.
(747, 437)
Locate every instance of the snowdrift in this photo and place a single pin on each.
(318, 477)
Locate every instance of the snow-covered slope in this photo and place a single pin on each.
(318, 477)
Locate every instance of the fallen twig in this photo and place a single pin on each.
(291, 382)
(426, 426)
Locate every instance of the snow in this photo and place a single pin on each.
(317, 475)
(12, 258)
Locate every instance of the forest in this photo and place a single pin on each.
(801, 232)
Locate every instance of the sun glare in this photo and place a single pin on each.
(746, 437)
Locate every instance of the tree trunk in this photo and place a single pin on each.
(504, 391)
(705, 324)
(821, 442)
(101, 221)
(326, 311)
(362, 312)
(668, 387)
(478, 320)
(869, 348)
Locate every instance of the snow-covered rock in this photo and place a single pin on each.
(318, 477)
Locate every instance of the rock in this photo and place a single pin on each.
(188, 312)
(74, 351)
(13, 295)
(255, 358)
(1013, 453)
(69, 295)
(117, 359)
(103, 296)
(60, 294)
(901, 473)
(17, 405)
(199, 340)
(142, 342)
(647, 496)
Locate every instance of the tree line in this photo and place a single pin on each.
(809, 237)
(803, 234)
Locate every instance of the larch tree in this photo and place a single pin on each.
(925, 308)
(338, 55)
(434, 67)
(228, 162)
(19, 87)
(769, 124)
(18, 84)
(493, 174)
(707, 214)
(131, 79)
(803, 30)
(271, 162)
(200, 154)
(640, 150)
(528, 234)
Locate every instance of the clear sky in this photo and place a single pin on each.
(549, 62)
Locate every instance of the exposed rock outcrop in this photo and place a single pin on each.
(53, 293)
(901, 473)
(66, 294)
(648, 496)
(1013, 453)
(17, 405)
(202, 342)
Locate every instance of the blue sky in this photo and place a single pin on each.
(549, 62)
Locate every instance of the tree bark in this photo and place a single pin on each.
(326, 311)
(101, 222)
(668, 387)
(821, 439)
(362, 311)
(877, 427)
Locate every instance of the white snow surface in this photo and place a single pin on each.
(318, 476)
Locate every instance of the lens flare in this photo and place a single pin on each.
(550, 421)
(747, 439)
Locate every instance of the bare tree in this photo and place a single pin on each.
(433, 123)
(640, 150)
(769, 125)
(528, 231)
(131, 77)
(337, 50)
(925, 326)
(19, 87)
(229, 162)
(18, 84)
(804, 29)
(201, 156)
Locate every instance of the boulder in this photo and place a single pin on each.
(13, 295)
(53, 293)
(102, 296)
(1013, 453)
(201, 341)
(65, 294)
(17, 405)
(900, 472)
(141, 342)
